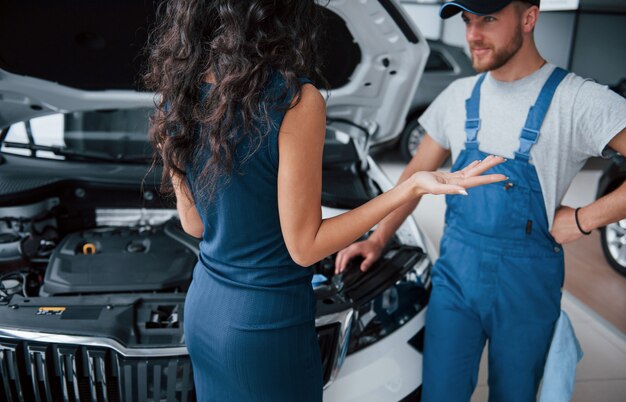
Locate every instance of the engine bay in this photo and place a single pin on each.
(122, 274)
(112, 259)
(144, 252)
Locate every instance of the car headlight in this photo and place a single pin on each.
(356, 309)
(396, 303)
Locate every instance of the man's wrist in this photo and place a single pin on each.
(580, 222)
(377, 239)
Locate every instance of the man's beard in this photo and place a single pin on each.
(499, 57)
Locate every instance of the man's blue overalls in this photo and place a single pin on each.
(499, 275)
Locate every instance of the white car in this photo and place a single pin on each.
(94, 265)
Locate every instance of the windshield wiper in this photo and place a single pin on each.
(3, 135)
(82, 155)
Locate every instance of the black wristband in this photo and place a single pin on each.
(578, 223)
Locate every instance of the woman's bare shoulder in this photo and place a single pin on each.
(306, 115)
(311, 100)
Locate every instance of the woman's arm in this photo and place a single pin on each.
(308, 237)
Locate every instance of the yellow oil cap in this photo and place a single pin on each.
(89, 248)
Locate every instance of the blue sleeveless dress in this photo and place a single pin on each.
(249, 316)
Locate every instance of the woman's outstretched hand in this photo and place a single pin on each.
(457, 182)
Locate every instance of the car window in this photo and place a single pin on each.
(118, 134)
(46, 130)
(437, 62)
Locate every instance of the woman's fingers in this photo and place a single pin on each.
(449, 189)
(471, 165)
(482, 180)
(457, 182)
(475, 169)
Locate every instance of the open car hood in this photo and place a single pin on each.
(70, 55)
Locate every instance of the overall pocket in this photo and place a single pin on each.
(498, 210)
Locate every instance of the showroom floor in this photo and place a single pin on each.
(598, 315)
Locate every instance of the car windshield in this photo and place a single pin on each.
(99, 135)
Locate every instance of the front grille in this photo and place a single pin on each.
(328, 338)
(32, 371)
(51, 372)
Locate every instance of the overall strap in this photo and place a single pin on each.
(472, 111)
(537, 113)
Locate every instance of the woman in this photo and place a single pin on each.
(240, 134)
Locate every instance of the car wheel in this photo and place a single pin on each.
(411, 138)
(613, 238)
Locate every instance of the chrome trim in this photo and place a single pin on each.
(341, 317)
(344, 318)
(97, 374)
(67, 366)
(38, 363)
(8, 369)
(15, 334)
(421, 266)
(95, 362)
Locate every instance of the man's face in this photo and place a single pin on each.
(493, 39)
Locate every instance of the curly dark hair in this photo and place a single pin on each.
(240, 43)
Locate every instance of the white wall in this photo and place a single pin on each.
(554, 34)
(599, 51)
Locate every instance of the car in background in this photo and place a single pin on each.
(613, 236)
(94, 265)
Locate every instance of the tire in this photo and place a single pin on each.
(410, 138)
(613, 239)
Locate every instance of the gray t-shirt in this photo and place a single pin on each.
(583, 117)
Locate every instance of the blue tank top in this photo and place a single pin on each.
(242, 241)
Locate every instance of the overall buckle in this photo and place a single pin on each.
(528, 138)
(530, 135)
(472, 124)
(471, 129)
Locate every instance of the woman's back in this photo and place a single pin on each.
(251, 309)
(242, 239)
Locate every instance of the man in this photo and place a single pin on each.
(500, 271)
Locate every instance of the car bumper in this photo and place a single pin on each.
(386, 371)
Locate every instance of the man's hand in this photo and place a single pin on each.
(564, 229)
(368, 249)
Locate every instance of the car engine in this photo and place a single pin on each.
(114, 259)
(144, 252)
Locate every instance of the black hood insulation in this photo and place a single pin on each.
(95, 45)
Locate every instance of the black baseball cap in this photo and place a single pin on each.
(480, 7)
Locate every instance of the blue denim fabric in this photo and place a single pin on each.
(498, 278)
